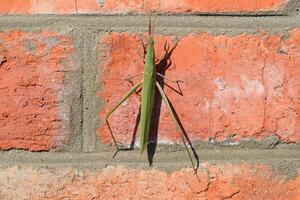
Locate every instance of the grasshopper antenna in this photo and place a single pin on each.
(151, 28)
(152, 20)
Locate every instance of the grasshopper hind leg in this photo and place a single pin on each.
(180, 129)
(126, 96)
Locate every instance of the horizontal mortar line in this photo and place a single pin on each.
(137, 22)
(145, 164)
(104, 158)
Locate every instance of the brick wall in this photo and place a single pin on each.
(239, 62)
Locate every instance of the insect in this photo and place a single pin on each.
(149, 85)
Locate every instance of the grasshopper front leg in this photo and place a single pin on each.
(126, 96)
(178, 127)
(173, 81)
(129, 80)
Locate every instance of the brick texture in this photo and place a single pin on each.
(138, 6)
(245, 86)
(186, 6)
(213, 182)
(32, 67)
(48, 7)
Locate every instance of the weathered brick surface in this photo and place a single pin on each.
(48, 6)
(245, 86)
(139, 6)
(185, 6)
(215, 182)
(32, 76)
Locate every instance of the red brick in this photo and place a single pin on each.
(88, 6)
(245, 86)
(183, 6)
(214, 182)
(139, 6)
(31, 80)
(48, 7)
(282, 79)
(15, 7)
(37, 7)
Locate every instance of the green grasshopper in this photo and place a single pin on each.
(149, 85)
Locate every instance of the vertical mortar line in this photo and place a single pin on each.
(80, 37)
(72, 97)
(89, 89)
(82, 88)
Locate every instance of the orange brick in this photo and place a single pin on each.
(48, 7)
(183, 6)
(239, 87)
(139, 6)
(31, 79)
(227, 181)
(15, 7)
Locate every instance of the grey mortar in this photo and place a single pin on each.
(284, 162)
(293, 8)
(165, 25)
(71, 100)
(30, 46)
(91, 103)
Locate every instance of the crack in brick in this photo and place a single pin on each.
(2, 60)
(76, 6)
(232, 195)
(265, 97)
